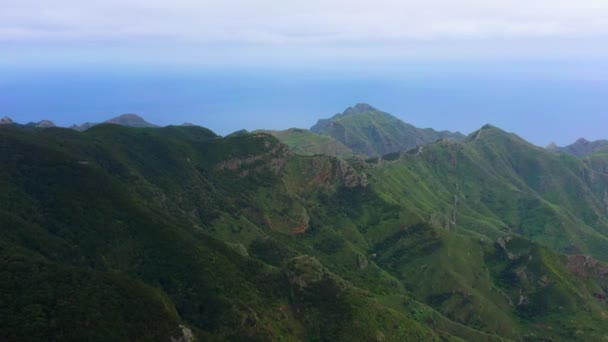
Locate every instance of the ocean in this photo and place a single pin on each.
(540, 107)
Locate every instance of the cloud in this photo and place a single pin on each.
(300, 22)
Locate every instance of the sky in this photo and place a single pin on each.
(440, 63)
(290, 31)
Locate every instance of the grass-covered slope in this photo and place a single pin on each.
(118, 219)
(240, 238)
(303, 141)
(368, 131)
(495, 183)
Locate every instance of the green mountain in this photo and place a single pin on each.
(371, 132)
(303, 141)
(581, 147)
(124, 233)
(42, 124)
(130, 120)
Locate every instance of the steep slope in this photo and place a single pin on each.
(239, 238)
(141, 205)
(368, 131)
(581, 147)
(303, 141)
(495, 183)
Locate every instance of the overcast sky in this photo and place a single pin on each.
(222, 30)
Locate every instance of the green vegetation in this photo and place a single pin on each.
(125, 233)
(370, 132)
(305, 142)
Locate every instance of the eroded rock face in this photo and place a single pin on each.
(303, 271)
(513, 252)
(236, 163)
(273, 158)
(350, 177)
(586, 266)
(186, 335)
(6, 120)
(362, 262)
(239, 248)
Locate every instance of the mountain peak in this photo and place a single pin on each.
(583, 147)
(46, 124)
(130, 119)
(6, 120)
(552, 147)
(488, 131)
(370, 132)
(359, 108)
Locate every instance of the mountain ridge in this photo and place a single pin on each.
(581, 147)
(479, 239)
(130, 120)
(371, 132)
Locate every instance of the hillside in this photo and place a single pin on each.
(240, 238)
(303, 141)
(371, 132)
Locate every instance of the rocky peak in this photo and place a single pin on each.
(6, 120)
(83, 127)
(45, 124)
(582, 141)
(359, 108)
(130, 120)
(552, 146)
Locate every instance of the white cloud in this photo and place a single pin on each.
(300, 22)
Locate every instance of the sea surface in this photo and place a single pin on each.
(542, 107)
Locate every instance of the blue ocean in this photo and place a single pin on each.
(542, 107)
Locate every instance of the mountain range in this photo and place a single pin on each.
(176, 233)
(361, 130)
(581, 147)
(131, 120)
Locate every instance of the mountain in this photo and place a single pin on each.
(42, 124)
(126, 233)
(129, 120)
(581, 147)
(6, 120)
(368, 131)
(303, 141)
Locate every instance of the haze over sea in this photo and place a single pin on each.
(541, 101)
